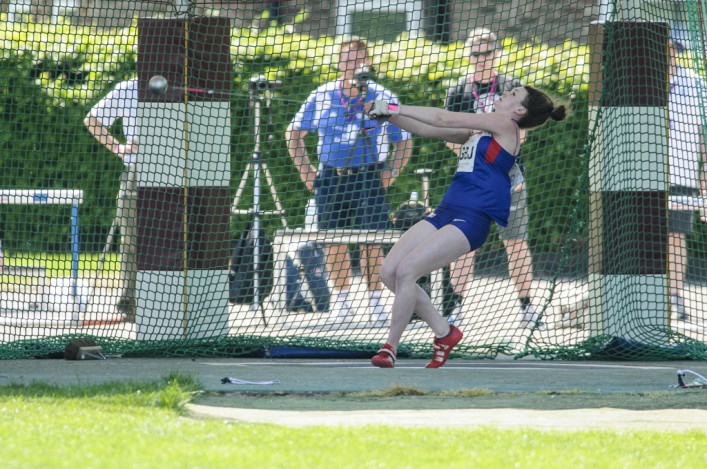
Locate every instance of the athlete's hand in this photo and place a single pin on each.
(123, 149)
(381, 109)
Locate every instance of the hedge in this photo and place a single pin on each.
(51, 75)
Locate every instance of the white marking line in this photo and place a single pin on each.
(573, 419)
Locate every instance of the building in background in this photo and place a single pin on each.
(548, 21)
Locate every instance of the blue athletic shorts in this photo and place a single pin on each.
(355, 201)
(475, 224)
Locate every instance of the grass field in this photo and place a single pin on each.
(59, 264)
(144, 425)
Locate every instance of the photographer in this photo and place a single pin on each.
(354, 170)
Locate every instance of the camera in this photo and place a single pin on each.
(362, 75)
(261, 83)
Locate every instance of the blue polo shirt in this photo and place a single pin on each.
(338, 119)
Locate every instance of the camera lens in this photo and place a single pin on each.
(261, 83)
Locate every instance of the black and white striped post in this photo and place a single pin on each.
(184, 171)
(628, 170)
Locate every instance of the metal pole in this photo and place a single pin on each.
(75, 252)
(425, 175)
(255, 99)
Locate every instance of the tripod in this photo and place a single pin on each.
(361, 83)
(258, 88)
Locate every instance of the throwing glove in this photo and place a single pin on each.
(381, 108)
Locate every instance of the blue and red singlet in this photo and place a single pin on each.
(482, 181)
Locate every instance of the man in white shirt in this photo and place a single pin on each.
(688, 166)
(122, 103)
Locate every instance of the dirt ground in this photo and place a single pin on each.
(574, 420)
(675, 410)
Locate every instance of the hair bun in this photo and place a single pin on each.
(558, 113)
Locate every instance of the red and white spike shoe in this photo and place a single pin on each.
(443, 346)
(385, 357)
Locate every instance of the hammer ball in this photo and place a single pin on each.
(158, 85)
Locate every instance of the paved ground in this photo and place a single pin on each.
(500, 375)
(646, 380)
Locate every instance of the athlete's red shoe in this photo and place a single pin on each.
(443, 346)
(385, 357)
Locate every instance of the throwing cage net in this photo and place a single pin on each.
(187, 178)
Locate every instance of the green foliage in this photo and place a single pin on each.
(51, 75)
(420, 71)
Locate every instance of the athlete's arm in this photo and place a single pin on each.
(449, 134)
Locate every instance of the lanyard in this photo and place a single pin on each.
(490, 98)
(350, 110)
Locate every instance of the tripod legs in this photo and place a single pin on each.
(257, 167)
(273, 193)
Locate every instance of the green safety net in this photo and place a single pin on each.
(216, 246)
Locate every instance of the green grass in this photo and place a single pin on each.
(143, 425)
(59, 264)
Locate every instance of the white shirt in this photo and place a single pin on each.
(685, 113)
(121, 102)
